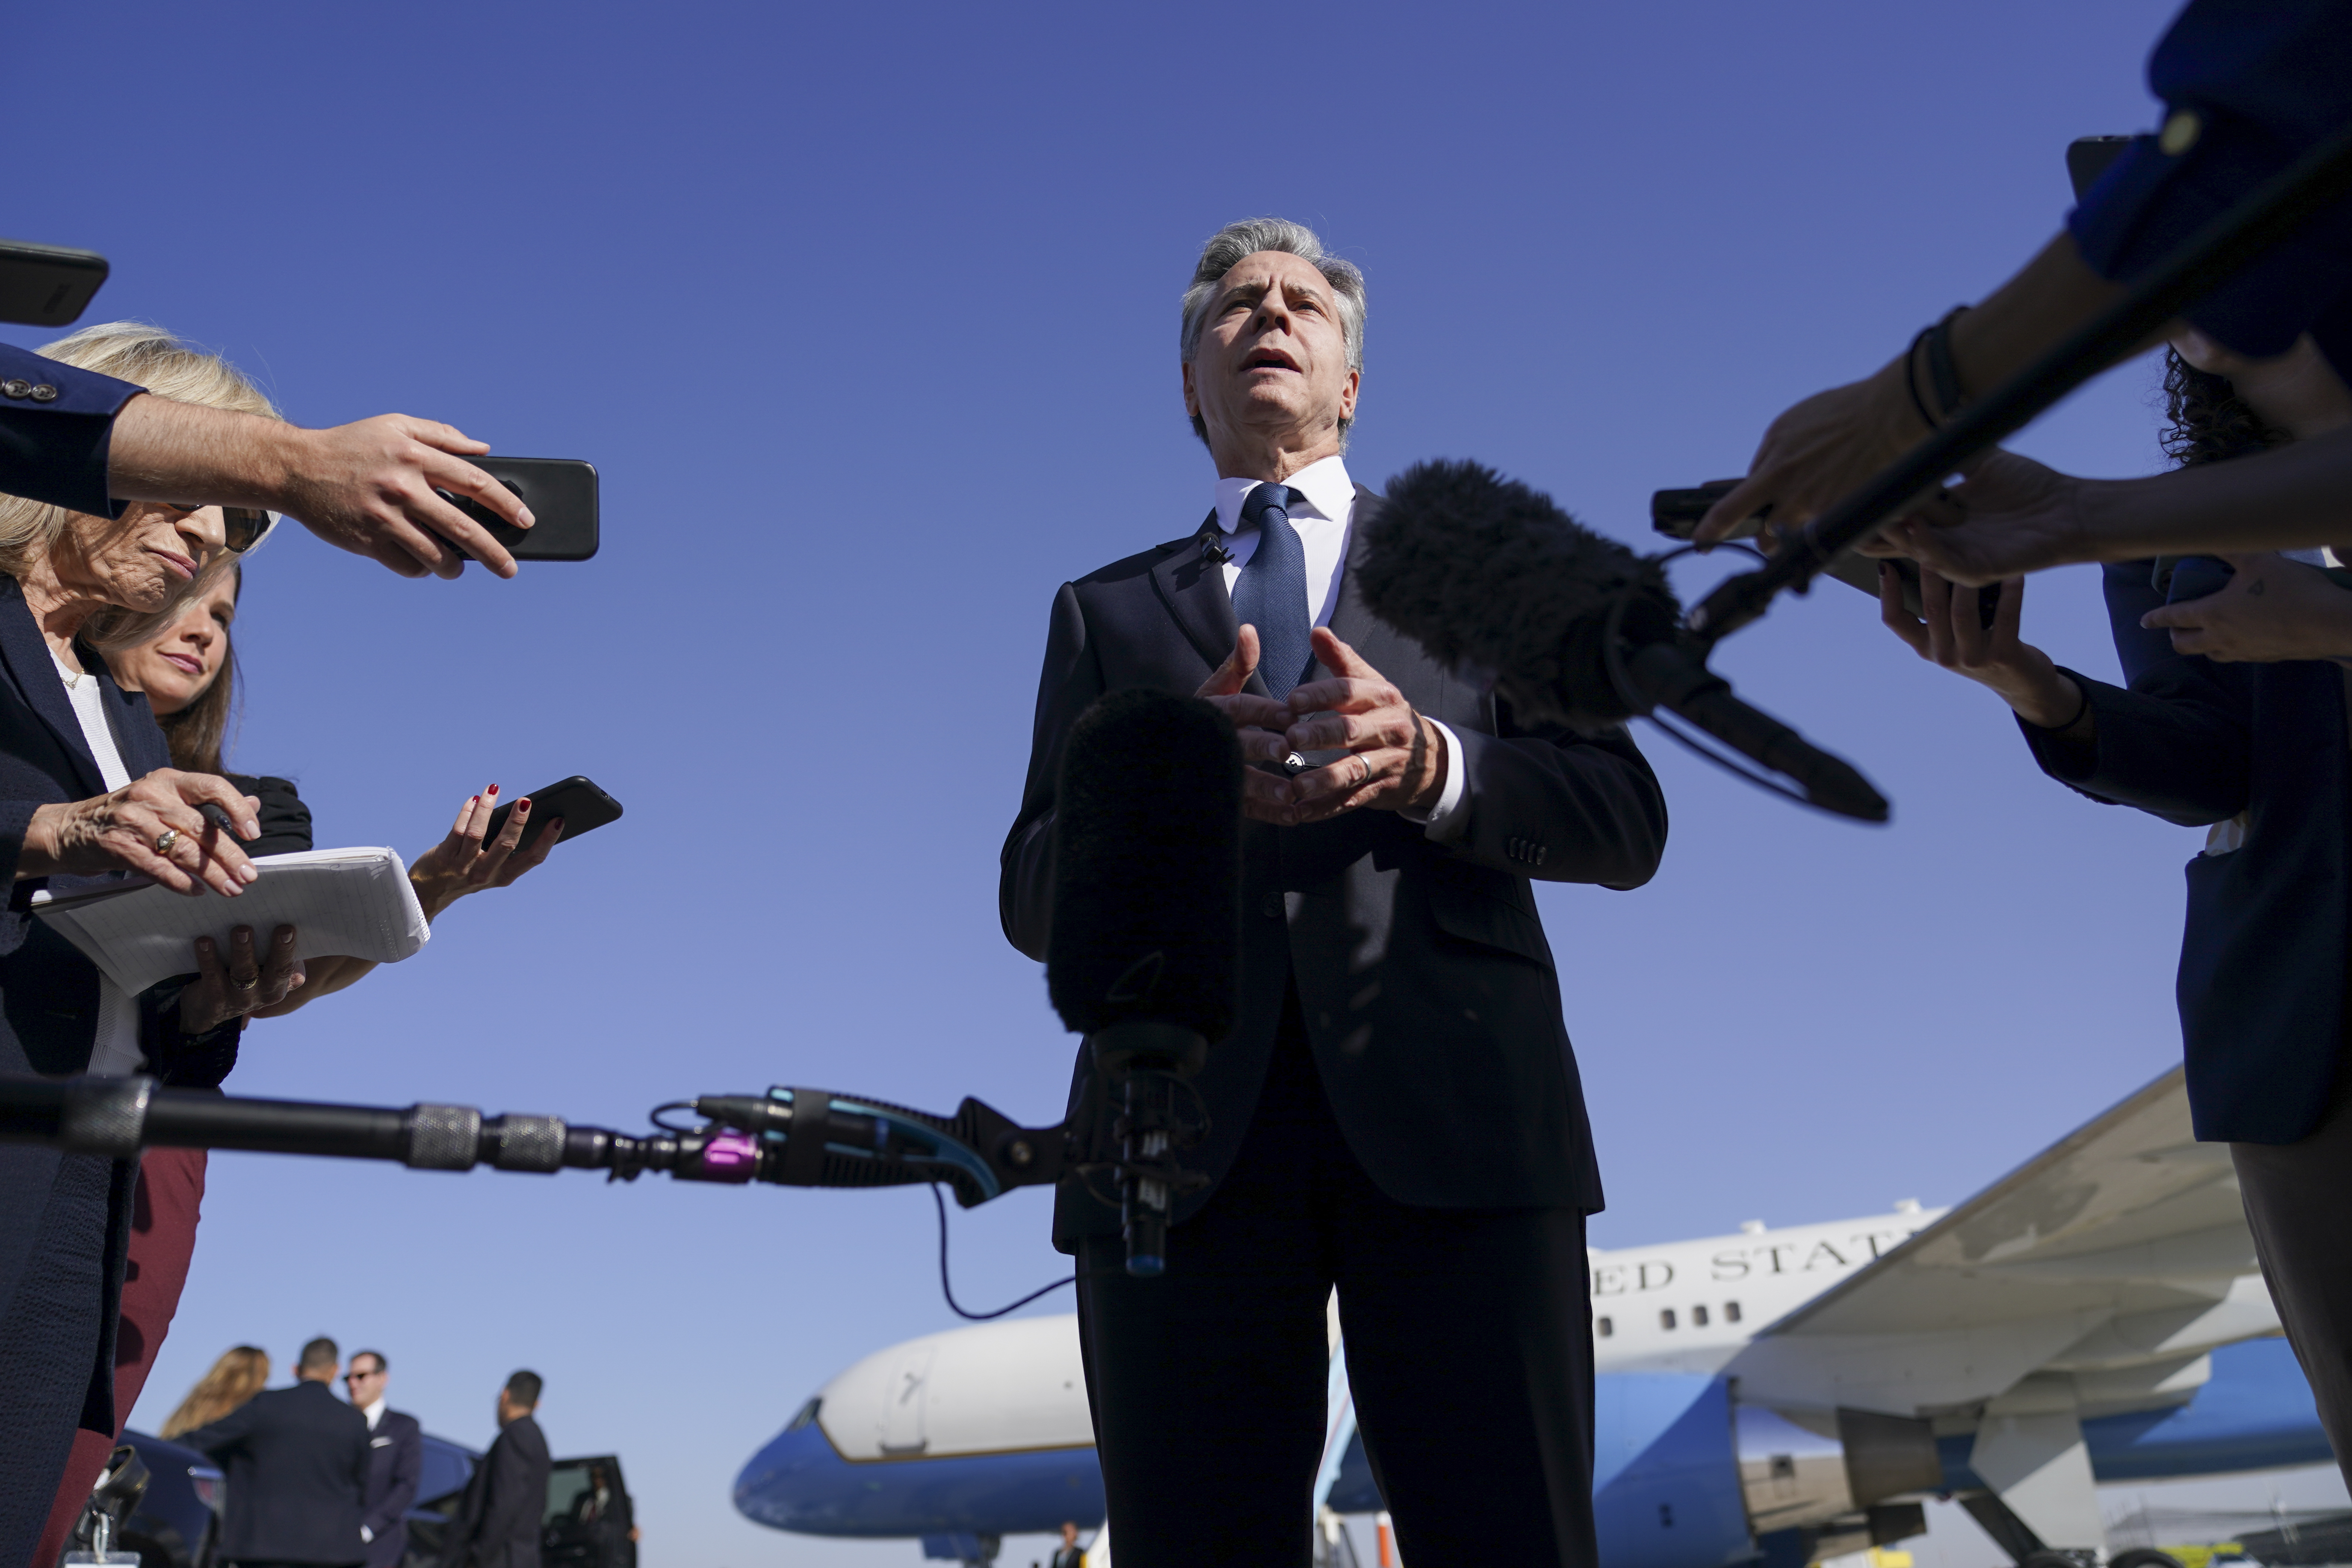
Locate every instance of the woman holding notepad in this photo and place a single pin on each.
(89, 790)
(188, 671)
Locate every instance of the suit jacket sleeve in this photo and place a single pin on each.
(220, 1436)
(1591, 804)
(57, 451)
(2177, 743)
(1071, 680)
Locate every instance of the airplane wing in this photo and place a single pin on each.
(2111, 1263)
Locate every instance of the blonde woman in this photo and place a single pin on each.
(87, 790)
(238, 1376)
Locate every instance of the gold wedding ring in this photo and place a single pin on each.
(166, 839)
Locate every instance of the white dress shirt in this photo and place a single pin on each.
(114, 1052)
(1322, 522)
(375, 1411)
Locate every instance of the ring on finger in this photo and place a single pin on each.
(247, 983)
(166, 839)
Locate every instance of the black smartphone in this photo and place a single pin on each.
(561, 495)
(46, 285)
(577, 800)
(1676, 513)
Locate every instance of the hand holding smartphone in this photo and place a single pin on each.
(582, 806)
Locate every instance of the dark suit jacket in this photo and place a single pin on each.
(1429, 990)
(395, 1464)
(56, 451)
(2262, 980)
(296, 1465)
(498, 1524)
(64, 1218)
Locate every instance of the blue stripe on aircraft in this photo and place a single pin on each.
(2255, 1415)
(799, 1482)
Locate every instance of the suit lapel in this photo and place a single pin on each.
(1352, 621)
(26, 655)
(1193, 588)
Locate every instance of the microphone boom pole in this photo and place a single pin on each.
(789, 1137)
(2265, 218)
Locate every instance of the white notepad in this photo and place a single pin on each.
(356, 902)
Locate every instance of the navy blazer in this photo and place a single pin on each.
(395, 1467)
(2262, 981)
(297, 1466)
(64, 1218)
(1429, 990)
(54, 449)
(2268, 80)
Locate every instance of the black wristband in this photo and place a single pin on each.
(1911, 380)
(1941, 375)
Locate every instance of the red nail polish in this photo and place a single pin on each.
(492, 790)
(523, 805)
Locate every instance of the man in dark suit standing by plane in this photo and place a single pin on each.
(1397, 1114)
(296, 1460)
(498, 1524)
(395, 1460)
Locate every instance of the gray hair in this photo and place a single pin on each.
(1231, 244)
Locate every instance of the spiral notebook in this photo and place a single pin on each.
(356, 902)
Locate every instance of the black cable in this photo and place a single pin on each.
(1612, 660)
(949, 1291)
(654, 1116)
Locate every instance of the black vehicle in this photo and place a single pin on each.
(439, 1488)
(174, 1524)
(589, 1523)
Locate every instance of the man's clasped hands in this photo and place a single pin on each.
(1395, 759)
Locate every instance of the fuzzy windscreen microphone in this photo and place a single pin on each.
(1577, 628)
(1484, 571)
(1147, 867)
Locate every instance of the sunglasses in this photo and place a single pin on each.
(242, 527)
(355, 1376)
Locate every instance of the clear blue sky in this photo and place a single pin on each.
(868, 316)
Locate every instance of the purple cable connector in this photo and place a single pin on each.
(730, 1157)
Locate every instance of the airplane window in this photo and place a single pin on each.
(1698, 1316)
(1731, 1312)
(1667, 1319)
(808, 1413)
(1603, 1327)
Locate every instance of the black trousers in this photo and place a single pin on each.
(1469, 1348)
(2298, 1199)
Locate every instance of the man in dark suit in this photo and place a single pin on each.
(395, 1460)
(498, 1524)
(296, 1465)
(1397, 1112)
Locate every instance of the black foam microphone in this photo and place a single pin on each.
(1577, 628)
(1143, 956)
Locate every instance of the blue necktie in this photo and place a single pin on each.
(1271, 593)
